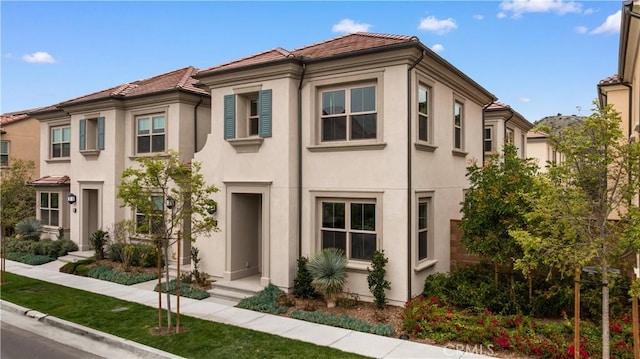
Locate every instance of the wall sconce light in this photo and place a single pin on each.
(71, 198)
(212, 208)
(170, 202)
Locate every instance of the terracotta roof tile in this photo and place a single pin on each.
(499, 106)
(613, 79)
(10, 117)
(52, 181)
(178, 79)
(537, 134)
(262, 57)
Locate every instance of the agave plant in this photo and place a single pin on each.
(328, 269)
(29, 229)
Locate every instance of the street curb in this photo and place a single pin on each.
(136, 348)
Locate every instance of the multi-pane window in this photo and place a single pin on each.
(509, 138)
(50, 208)
(458, 122)
(423, 113)
(488, 139)
(349, 114)
(60, 142)
(150, 134)
(4, 153)
(254, 117)
(151, 223)
(350, 226)
(423, 229)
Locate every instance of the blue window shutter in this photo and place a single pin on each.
(229, 117)
(101, 133)
(83, 134)
(264, 101)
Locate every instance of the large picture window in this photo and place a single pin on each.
(60, 142)
(150, 134)
(50, 208)
(350, 225)
(349, 114)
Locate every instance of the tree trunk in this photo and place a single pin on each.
(576, 315)
(166, 275)
(605, 312)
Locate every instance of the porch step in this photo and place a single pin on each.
(76, 256)
(236, 290)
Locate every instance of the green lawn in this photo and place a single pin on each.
(203, 339)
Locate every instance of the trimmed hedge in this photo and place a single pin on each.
(107, 273)
(44, 247)
(265, 301)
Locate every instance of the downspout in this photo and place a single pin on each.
(504, 134)
(409, 173)
(304, 69)
(195, 125)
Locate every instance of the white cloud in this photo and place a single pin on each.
(560, 7)
(437, 48)
(588, 11)
(501, 15)
(525, 99)
(440, 27)
(581, 29)
(39, 57)
(478, 17)
(349, 26)
(611, 25)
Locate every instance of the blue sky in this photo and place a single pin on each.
(542, 57)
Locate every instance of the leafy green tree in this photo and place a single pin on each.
(584, 215)
(155, 182)
(18, 198)
(500, 196)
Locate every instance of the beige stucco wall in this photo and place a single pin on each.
(24, 137)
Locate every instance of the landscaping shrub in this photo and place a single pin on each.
(45, 247)
(107, 273)
(28, 229)
(98, 240)
(343, 321)
(29, 258)
(265, 301)
(376, 281)
(302, 287)
(195, 276)
(328, 269)
(139, 254)
(71, 267)
(185, 290)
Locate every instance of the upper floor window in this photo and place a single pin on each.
(424, 107)
(523, 143)
(349, 114)
(152, 223)
(349, 225)
(50, 208)
(150, 134)
(248, 114)
(4, 153)
(509, 137)
(488, 139)
(458, 126)
(60, 142)
(92, 134)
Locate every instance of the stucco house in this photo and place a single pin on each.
(540, 147)
(358, 142)
(19, 139)
(88, 141)
(503, 124)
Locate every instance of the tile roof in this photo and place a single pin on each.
(613, 79)
(11, 117)
(52, 181)
(495, 106)
(178, 79)
(537, 134)
(335, 46)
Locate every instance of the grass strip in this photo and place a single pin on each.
(203, 339)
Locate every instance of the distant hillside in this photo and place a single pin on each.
(559, 121)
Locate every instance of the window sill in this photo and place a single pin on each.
(424, 265)
(424, 146)
(246, 145)
(347, 147)
(152, 154)
(358, 266)
(459, 153)
(90, 153)
(58, 160)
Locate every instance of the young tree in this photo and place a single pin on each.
(584, 215)
(17, 196)
(500, 196)
(158, 183)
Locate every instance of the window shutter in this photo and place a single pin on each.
(83, 134)
(229, 117)
(101, 133)
(264, 101)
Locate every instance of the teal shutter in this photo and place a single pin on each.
(229, 117)
(101, 133)
(264, 112)
(83, 134)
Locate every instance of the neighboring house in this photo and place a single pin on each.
(19, 139)
(91, 139)
(622, 90)
(540, 147)
(502, 124)
(360, 142)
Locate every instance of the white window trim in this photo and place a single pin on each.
(318, 196)
(429, 261)
(363, 79)
(59, 209)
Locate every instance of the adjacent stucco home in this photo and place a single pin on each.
(88, 141)
(359, 142)
(505, 125)
(540, 147)
(19, 139)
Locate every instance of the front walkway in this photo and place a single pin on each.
(220, 311)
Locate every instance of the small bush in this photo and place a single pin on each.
(378, 285)
(344, 321)
(29, 229)
(71, 267)
(29, 258)
(265, 301)
(98, 240)
(185, 290)
(107, 273)
(140, 254)
(302, 287)
(328, 269)
(54, 249)
(66, 246)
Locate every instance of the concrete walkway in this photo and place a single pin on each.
(224, 312)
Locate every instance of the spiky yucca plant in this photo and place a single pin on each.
(29, 229)
(328, 269)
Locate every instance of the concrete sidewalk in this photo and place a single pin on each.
(224, 312)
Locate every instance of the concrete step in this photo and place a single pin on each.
(228, 295)
(76, 256)
(235, 290)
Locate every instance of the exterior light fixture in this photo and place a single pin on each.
(170, 202)
(71, 198)
(213, 207)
